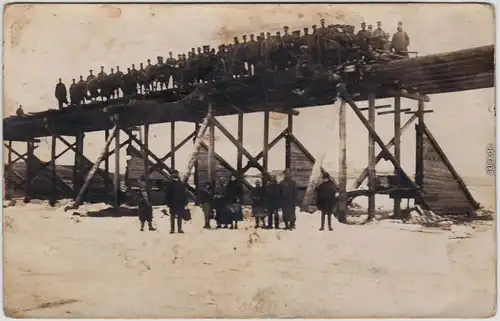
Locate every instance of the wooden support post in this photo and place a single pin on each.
(196, 166)
(265, 150)
(211, 150)
(288, 143)
(78, 163)
(371, 157)
(345, 95)
(106, 165)
(420, 145)
(9, 190)
(239, 163)
(29, 171)
(145, 151)
(53, 185)
(397, 150)
(172, 144)
(116, 178)
(342, 198)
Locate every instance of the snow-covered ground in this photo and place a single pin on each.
(61, 265)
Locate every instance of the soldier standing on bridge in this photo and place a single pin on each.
(253, 55)
(74, 97)
(325, 200)
(400, 41)
(82, 90)
(61, 94)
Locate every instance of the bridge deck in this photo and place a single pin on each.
(449, 72)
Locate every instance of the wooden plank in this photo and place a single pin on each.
(266, 141)
(146, 145)
(342, 199)
(440, 180)
(397, 148)
(172, 144)
(371, 157)
(116, 177)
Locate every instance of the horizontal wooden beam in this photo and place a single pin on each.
(416, 111)
(377, 107)
(392, 111)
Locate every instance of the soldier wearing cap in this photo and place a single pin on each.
(252, 54)
(325, 200)
(379, 36)
(400, 41)
(74, 96)
(61, 94)
(288, 188)
(82, 89)
(102, 74)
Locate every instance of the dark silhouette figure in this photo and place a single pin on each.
(325, 200)
(176, 199)
(61, 94)
(288, 200)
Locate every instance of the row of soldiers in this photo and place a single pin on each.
(327, 46)
(224, 202)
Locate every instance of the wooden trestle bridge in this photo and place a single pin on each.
(436, 184)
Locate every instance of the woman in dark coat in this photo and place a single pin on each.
(207, 203)
(145, 210)
(223, 216)
(233, 195)
(258, 196)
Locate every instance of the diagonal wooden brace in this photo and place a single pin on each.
(341, 89)
(233, 140)
(380, 155)
(90, 175)
(261, 154)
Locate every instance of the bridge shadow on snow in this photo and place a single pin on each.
(114, 212)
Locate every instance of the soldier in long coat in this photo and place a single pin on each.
(145, 208)
(400, 41)
(325, 200)
(61, 94)
(258, 196)
(273, 202)
(233, 195)
(223, 215)
(176, 199)
(288, 200)
(74, 95)
(207, 203)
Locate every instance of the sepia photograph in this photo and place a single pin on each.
(176, 160)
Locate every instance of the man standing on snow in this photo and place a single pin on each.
(288, 200)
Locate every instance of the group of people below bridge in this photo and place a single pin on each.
(326, 46)
(224, 203)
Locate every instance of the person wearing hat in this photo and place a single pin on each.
(400, 41)
(207, 203)
(258, 196)
(222, 214)
(325, 200)
(176, 200)
(273, 197)
(289, 195)
(379, 36)
(145, 208)
(233, 195)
